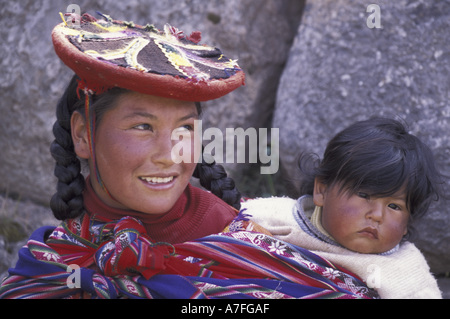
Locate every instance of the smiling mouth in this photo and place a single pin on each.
(157, 180)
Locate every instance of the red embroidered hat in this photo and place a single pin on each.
(107, 53)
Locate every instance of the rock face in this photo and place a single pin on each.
(18, 219)
(341, 70)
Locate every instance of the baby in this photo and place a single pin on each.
(374, 180)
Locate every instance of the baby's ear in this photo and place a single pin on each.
(79, 135)
(319, 192)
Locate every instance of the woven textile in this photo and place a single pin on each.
(119, 261)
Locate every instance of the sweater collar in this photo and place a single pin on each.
(304, 212)
(179, 224)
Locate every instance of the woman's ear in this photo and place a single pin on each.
(319, 192)
(79, 135)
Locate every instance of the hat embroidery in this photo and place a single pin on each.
(132, 46)
(107, 53)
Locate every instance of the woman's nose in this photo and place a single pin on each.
(162, 152)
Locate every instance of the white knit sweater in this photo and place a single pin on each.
(403, 274)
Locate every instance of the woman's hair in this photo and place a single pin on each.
(377, 156)
(67, 202)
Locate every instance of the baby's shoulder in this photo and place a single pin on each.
(269, 207)
(269, 202)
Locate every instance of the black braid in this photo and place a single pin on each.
(68, 201)
(214, 178)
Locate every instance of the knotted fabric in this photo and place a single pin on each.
(131, 252)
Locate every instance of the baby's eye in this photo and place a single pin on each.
(394, 206)
(363, 195)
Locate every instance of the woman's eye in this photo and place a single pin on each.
(184, 129)
(188, 127)
(143, 127)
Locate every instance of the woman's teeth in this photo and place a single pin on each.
(157, 180)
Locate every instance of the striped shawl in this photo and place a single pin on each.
(118, 260)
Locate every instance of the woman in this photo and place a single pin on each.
(133, 228)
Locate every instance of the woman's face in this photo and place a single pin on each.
(133, 149)
(362, 223)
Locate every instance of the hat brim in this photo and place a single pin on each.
(98, 73)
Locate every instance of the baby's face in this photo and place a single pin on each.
(362, 223)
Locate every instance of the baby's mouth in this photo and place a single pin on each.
(370, 231)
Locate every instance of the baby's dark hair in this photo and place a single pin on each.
(377, 156)
(67, 202)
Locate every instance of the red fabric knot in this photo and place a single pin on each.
(131, 251)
